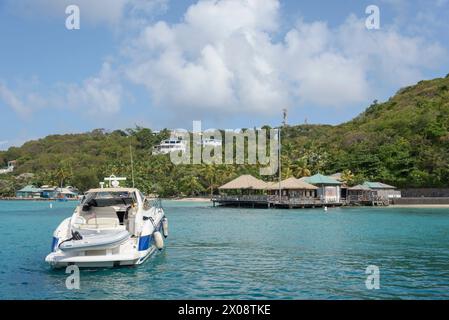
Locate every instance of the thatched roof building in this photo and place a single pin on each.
(246, 182)
(291, 184)
(360, 187)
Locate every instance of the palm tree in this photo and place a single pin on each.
(347, 177)
(62, 174)
(300, 168)
(210, 175)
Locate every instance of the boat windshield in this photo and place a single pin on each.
(107, 199)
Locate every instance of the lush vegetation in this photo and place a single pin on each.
(404, 142)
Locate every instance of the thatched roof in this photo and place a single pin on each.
(378, 185)
(336, 176)
(360, 187)
(246, 182)
(291, 184)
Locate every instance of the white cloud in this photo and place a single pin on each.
(12, 100)
(223, 56)
(99, 94)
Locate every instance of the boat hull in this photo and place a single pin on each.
(62, 259)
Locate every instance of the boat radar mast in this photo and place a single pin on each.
(113, 181)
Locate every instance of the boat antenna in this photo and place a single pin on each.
(279, 166)
(132, 163)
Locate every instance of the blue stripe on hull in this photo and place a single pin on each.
(54, 242)
(146, 241)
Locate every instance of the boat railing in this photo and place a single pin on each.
(155, 203)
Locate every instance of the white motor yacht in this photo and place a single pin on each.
(112, 226)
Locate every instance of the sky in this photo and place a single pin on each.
(228, 63)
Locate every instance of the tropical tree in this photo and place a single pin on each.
(347, 177)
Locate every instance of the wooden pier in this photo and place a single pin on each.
(309, 192)
(263, 201)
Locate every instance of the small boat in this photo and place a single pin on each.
(101, 241)
(111, 226)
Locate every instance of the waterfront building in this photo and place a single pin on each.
(294, 193)
(362, 195)
(292, 188)
(343, 188)
(308, 192)
(49, 192)
(246, 184)
(383, 190)
(67, 193)
(29, 191)
(329, 189)
(244, 190)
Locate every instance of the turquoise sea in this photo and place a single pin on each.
(222, 253)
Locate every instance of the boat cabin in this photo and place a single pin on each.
(109, 208)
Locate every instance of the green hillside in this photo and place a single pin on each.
(404, 142)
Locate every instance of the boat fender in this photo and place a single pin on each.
(158, 240)
(165, 227)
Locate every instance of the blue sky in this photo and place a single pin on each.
(231, 64)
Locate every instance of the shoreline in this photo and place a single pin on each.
(191, 199)
(420, 206)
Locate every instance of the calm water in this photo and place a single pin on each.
(217, 253)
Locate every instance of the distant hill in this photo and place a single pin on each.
(403, 141)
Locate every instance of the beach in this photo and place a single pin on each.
(420, 206)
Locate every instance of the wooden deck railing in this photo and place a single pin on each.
(365, 198)
(241, 198)
(273, 199)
